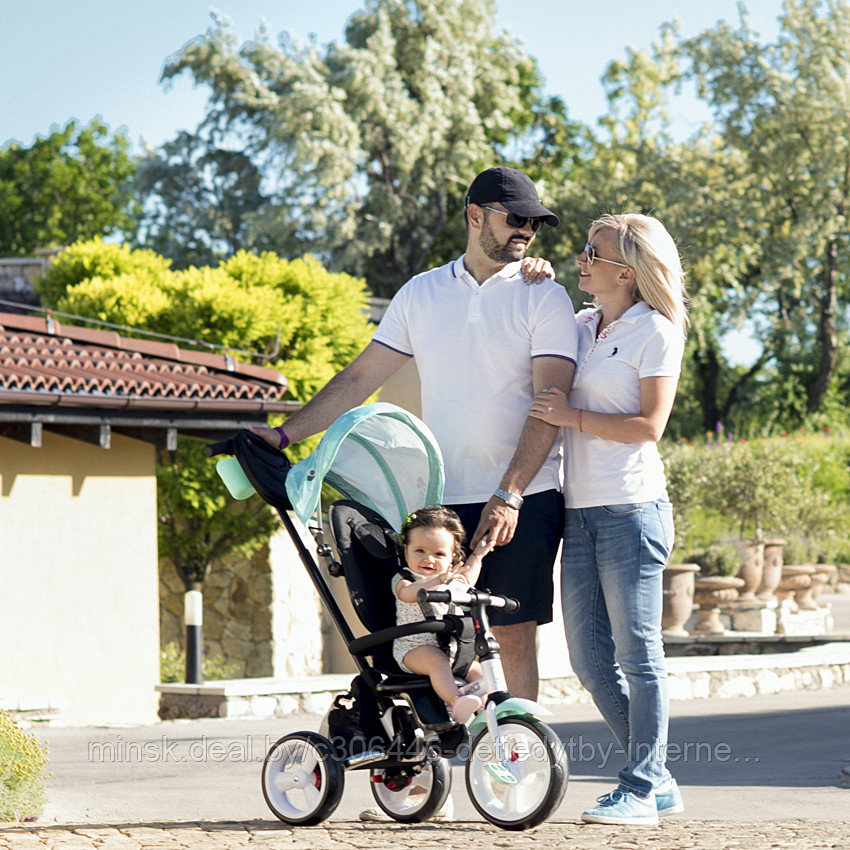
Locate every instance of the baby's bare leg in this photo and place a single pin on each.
(433, 663)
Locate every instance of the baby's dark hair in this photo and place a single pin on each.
(436, 516)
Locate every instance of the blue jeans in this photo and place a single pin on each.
(611, 593)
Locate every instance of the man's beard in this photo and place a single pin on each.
(508, 252)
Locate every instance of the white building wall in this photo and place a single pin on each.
(78, 578)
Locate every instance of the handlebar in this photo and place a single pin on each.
(469, 597)
(223, 447)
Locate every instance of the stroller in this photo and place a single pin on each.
(385, 463)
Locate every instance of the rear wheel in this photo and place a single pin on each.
(302, 779)
(412, 796)
(521, 783)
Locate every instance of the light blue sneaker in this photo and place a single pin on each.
(623, 807)
(668, 799)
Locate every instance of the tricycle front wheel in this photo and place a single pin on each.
(519, 782)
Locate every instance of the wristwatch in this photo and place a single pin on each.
(512, 499)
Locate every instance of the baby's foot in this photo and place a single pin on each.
(464, 706)
(476, 687)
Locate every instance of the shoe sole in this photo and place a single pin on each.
(676, 809)
(636, 821)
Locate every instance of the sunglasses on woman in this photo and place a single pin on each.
(517, 221)
(590, 253)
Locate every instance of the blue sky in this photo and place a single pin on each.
(63, 59)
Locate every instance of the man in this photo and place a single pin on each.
(484, 343)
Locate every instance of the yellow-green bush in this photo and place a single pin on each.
(22, 779)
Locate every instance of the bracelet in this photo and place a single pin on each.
(284, 440)
(580, 411)
(514, 500)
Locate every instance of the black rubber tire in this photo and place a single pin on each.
(302, 779)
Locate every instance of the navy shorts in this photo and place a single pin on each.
(524, 569)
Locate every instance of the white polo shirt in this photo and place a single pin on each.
(640, 344)
(473, 347)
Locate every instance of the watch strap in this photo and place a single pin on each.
(512, 499)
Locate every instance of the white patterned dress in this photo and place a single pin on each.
(410, 612)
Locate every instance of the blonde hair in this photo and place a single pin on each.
(644, 243)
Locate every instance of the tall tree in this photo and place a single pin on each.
(195, 200)
(367, 145)
(784, 108)
(70, 185)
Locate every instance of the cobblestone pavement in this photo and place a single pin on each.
(671, 834)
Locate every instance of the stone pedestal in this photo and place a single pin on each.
(792, 620)
(772, 572)
(711, 593)
(753, 616)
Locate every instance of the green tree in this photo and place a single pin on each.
(368, 145)
(70, 185)
(784, 110)
(312, 322)
(195, 200)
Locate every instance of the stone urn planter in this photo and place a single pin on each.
(772, 569)
(821, 578)
(752, 567)
(795, 577)
(710, 593)
(678, 604)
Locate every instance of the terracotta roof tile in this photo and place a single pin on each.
(38, 355)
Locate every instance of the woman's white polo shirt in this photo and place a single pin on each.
(640, 344)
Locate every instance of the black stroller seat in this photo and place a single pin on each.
(370, 556)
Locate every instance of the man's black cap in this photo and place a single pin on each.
(513, 190)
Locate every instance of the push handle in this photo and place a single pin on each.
(222, 447)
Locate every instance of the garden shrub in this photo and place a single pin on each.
(22, 779)
(794, 486)
(172, 665)
(718, 559)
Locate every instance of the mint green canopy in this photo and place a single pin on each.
(379, 455)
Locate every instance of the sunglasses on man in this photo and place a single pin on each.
(517, 221)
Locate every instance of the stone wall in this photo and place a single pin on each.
(261, 615)
(237, 612)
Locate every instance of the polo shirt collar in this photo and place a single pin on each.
(459, 270)
(638, 309)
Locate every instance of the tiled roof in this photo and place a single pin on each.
(45, 362)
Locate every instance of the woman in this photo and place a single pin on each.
(619, 524)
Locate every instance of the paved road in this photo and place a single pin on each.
(755, 772)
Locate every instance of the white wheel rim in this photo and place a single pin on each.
(411, 798)
(529, 762)
(295, 777)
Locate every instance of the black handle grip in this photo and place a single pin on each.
(434, 596)
(222, 447)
